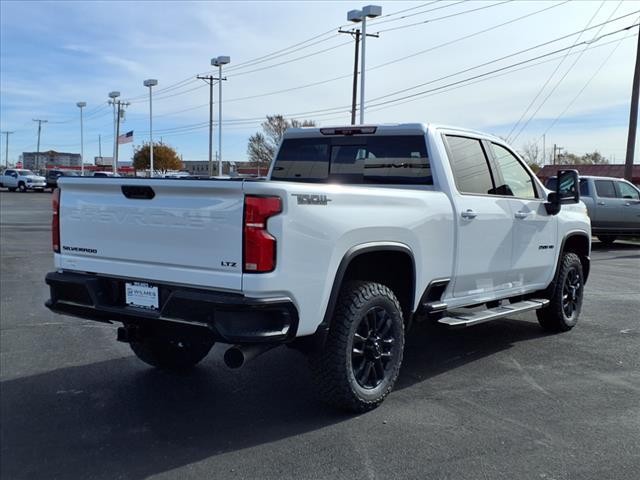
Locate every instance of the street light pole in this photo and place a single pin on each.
(81, 105)
(219, 62)
(6, 148)
(40, 122)
(113, 96)
(150, 83)
(370, 11)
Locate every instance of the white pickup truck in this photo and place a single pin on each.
(357, 233)
(23, 180)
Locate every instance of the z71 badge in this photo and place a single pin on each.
(311, 199)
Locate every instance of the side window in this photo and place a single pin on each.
(584, 188)
(469, 165)
(304, 159)
(605, 189)
(517, 181)
(627, 191)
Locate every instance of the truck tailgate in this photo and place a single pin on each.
(181, 231)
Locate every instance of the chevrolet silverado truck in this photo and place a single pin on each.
(356, 234)
(613, 205)
(22, 180)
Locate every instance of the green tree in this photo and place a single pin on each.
(262, 145)
(165, 158)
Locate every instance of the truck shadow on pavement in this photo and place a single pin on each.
(120, 419)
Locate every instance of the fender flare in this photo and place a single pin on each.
(348, 257)
(586, 264)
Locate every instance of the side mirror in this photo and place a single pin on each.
(567, 191)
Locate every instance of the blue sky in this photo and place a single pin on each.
(53, 54)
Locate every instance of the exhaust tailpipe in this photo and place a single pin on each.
(238, 355)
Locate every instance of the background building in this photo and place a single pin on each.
(51, 158)
(201, 167)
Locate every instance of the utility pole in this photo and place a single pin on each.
(356, 35)
(356, 16)
(121, 106)
(100, 146)
(633, 117)
(544, 147)
(556, 153)
(6, 148)
(210, 79)
(40, 122)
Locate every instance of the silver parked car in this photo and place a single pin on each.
(613, 205)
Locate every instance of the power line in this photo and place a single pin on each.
(417, 94)
(595, 73)
(447, 89)
(526, 111)
(465, 37)
(345, 108)
(321, 82)
(303, 57)
(560, 80)
(504, 58)
(484, 7)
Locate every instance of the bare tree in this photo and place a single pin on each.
(531, 153)
(262, 145)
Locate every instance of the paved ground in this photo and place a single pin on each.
(499, 401)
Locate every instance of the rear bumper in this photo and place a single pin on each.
(231, 318)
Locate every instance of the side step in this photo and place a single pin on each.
(458, 318)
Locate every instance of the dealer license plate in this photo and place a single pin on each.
(142, 295)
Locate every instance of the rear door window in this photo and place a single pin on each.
(469, 164)
(355, 160)
(584, 188)
(605, 189)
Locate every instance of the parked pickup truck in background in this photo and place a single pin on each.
(357, 233)
(613, 205)
(53, 175)
(23, 180)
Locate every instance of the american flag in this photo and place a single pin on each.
(125, 138)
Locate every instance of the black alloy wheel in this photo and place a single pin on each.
(372, 352)
(572, 292)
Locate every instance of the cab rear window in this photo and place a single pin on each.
(354, 160)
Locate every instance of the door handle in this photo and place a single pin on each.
(469, 214)
(601, 203)
(522, 214)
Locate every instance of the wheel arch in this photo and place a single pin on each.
(580, 244)
(389, 263)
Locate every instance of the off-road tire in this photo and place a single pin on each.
(607, 239)
(562, 313)
(168, 354)
(360, 305)
(22, 187)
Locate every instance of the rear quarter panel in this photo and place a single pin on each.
(313, 239)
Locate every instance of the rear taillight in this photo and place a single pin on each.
(55, 221)
(259, 245)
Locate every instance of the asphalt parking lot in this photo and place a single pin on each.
(502, 400)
